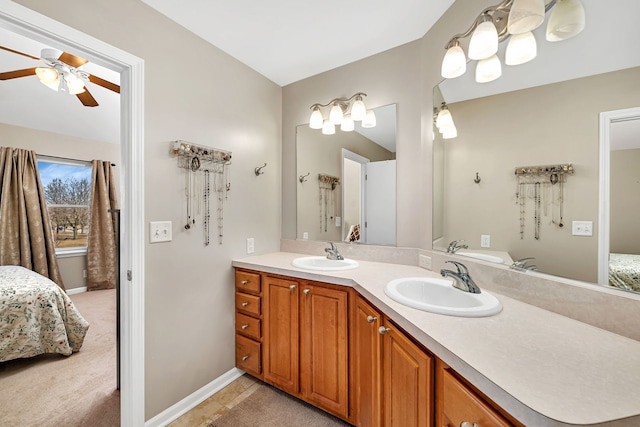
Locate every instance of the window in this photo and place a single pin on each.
(67, 190)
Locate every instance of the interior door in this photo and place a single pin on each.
(380, 202)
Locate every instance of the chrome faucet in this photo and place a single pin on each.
(456, 246)
(461, 278)
(332, 252)
(521, 265)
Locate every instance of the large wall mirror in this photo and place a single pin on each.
(541, 113)
(347, 182)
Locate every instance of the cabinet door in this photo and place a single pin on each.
(324, 365)
(408, 381)
(281, 346)
(366, 364)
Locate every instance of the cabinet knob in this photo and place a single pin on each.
(371, 319)
(306, 291)
(244, 326)
(292, 287)
(244, 282)
(468, 424)
(247, 356)
(383, 331)
(244, 304)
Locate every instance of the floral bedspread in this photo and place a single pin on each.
(36, 316)
(624, 271)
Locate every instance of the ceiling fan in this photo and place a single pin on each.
(62, 74)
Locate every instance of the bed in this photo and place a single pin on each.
(36, 316)
(624, 271)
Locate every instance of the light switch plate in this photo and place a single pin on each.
(582, 228)
(485, 241)
(159, 231)
(251, 245)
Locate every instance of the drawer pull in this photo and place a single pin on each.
(244, 358)
(306, 291)
(383, 331)
(244, 282)
(371, 319)
(468, 424)
(244, 304)
(245, 326)
(292, 287)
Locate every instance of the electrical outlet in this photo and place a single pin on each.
(159, 231)
(338, 221)
(582, 228)
(250, 245)
(424, 261)
(485, 241)
(305, 235)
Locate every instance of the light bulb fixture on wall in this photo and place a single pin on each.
(444, 122)
(343, 112)
(514, 20)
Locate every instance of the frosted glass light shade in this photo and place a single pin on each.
(328, 128)
(521, 48)
(335, 115)
(75, 84)
(347, 124)
(525, 16)
(358, 109)
(48, 77)
(369, 120)
(566, 20)
(454, 63)
(484, 41)
(450, 132)
(316, 120)
(488, 69)
(444, 119)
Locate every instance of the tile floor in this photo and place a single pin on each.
(218, 404)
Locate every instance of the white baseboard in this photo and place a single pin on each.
(76, 290)
(194, 399)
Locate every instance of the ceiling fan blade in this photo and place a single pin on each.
(74, 61)
(19, 53)
(17, 73)
(104, 83)
(87, 99)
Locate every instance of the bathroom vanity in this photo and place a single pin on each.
(335, 340)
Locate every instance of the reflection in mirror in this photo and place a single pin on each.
(539, 122)
(362, 204)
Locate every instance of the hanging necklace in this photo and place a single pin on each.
(537, 211)
(522, 210)
(207, 210)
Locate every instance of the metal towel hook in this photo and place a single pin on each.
(258, 170)
(303, 178)
(477, 179)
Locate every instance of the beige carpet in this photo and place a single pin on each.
(79, 390)
(269, 407)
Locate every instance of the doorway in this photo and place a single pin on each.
(23, 21)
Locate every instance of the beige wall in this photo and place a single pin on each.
(194, 92)
(624, 232)
(549, 124)
(322, 154)
(389, 77)
(53, 144)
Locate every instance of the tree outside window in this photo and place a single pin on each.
(67, 190)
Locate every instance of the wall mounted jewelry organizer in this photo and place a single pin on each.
(206, 175)
(327, 184)
(545, 186)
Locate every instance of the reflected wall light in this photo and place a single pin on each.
(513, 19)
(343, 112)
(444, 122)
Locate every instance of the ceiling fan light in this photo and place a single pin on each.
(369, 120)
(74, 84)
(566, 20)
(316, 119)
(347, 124)
(358, 109)
(525, 16)
(48, 77)
(454, 63)
(484, 41)
(488, 69)
(328, 128)
(520, 49)
(335, 115)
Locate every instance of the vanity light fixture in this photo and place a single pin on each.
(344, 112)
(444, 122)
(514, 20)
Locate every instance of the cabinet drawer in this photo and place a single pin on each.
(248, 355)
(248, 303)
(247, 325)
(248, 282)
(462, 404)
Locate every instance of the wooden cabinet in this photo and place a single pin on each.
(324, 362)
(249, 322)
(458, 403)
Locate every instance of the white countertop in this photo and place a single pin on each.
(543, 368)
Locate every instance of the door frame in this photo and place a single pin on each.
(26, 22)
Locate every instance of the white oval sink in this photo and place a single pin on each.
(322, 263)
(483, 257)
(439, 296)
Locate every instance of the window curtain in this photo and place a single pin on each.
(102, 257)
(26, 238)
